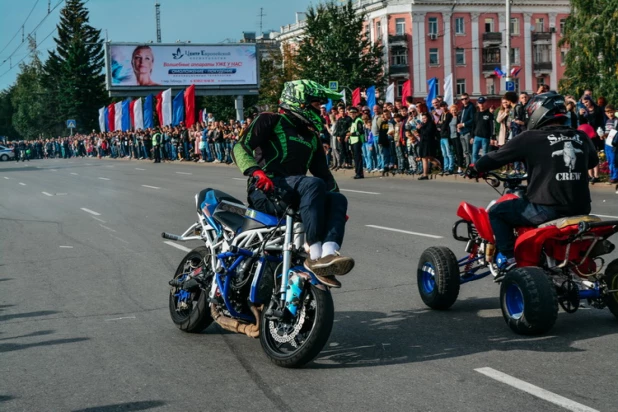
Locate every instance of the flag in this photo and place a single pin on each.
(201, 116)
(106, 118)
(126, 115)
(329, 105)
(406, 91)
(190, 106)
(166, 107)
(448, 89)
(138, 114)
(102, 119)
(132, 113)
(178, 108)
(111, 116)
(515, 71)
(118, 116)
(356, 97)
(432, 91)
(498, 72)
(148, 112)
(343, 98)
(371, 98)
(390, 93)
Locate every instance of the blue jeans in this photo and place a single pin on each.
(174, 152)
(220, 151)
(479, 143)
(516, 213)
(611, 161)
(144, 152)
(447, 153)
(386, 156)
(185, 147)
(378, 154)
(369, 150)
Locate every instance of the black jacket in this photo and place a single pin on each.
(444, 125)
(484, 124)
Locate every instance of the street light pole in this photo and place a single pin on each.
(508, 40)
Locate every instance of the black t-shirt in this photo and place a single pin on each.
(383, 134)
(558, 159)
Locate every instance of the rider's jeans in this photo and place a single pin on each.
(516, 213)
(323, 213)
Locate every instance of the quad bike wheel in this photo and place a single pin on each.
(529, 301)
(611, 278)
(438, 277)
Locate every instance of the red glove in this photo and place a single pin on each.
(263, 182)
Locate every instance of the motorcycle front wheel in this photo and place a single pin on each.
(295, 343)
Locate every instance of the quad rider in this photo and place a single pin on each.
(557, 158)
(278, 149)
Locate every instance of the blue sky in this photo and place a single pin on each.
(200, 21)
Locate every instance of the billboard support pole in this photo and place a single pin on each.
(238, 104)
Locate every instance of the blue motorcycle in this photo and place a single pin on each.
(249, 278)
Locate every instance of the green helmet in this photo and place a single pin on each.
(298, 95)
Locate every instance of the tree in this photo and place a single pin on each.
(6, 113)
(74, 71)
(592, 59)
(334, 47)
(279, 68)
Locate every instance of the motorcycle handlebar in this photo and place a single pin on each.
(170, 236)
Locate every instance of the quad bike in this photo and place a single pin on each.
(558, 263)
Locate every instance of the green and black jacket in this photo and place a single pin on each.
(281, 146)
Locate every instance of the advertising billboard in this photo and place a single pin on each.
(157, 66)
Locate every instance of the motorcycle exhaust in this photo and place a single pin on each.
(233, 325)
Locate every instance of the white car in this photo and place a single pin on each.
(6, 153)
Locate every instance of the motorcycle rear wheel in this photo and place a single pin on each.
(196, 317)
(309, 341)
(438, 277)
(611, 278)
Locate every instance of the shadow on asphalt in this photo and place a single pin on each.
(128, 406)
(5, 279)
(5, 398)
(11, 347)
(362, 339)
(29, 335)
(27, 315)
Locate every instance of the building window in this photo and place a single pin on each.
(542, 53)
(378, 30)
(400, 57)
(562, 26)
(491, 55)
(433, 26)
(489, 25)
(563, 56)
(434, 57)
(514, 56)
(400, 88)
(540, 24)
(540, 81)
(461, 86)
(460, 27)
(516, 81)
(491, 87)
(460, 57)
(514, 27)
(400, 27)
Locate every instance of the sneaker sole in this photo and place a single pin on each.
(338, 267)
(329, 281)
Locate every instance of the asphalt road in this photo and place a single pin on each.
(84, 323)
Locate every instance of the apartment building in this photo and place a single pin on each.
(424, 39)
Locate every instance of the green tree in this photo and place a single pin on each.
(74, 71)
(27, 97)
(6, 113)
(334, 47)
(592, 59)
(277, 69)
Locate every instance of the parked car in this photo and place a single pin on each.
(6, 154)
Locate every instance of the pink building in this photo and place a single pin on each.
(423, 39)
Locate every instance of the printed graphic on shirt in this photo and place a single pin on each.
(569, 156)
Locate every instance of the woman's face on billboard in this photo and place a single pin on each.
(142, 61)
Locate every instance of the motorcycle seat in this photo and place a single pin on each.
(571, 220)
(218, 196)
(238, 217)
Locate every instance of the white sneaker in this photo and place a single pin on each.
(201, 161)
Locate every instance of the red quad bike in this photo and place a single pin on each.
(558, 262)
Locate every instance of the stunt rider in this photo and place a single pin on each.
(278, 149)
(557, 159)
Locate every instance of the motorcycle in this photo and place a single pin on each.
(558, 263)
(249, 278)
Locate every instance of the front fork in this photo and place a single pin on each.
(287, 258)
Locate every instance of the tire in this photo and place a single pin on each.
(322, 317)
(4, 157)
(611, 278)
(438, 277)
(529, 301)
(197, 318)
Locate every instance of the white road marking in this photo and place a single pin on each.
(103, 178)
(23, 184)
(184, 173)
(151, 187)
(137, 168)
(108, 228)
(54, 170)
(66, 247)
(109, 166)
(535, 390)
(405, 231)
(177, 246)
(611, 217)
(74, 174)
(61, 194)
(88, 164)
(92, 212)
(238, 178)
(122, 240)
(47, 194)
(359, 191)
(100, 220)
(126, 317)
(6, 178)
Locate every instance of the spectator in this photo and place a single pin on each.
(465, 127)
(428, 145)
(444, 127)
(483, 129)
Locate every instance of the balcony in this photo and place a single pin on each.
(542, 67)
(492, 38)
(490, 67)
(395, 69)
(541, 37)
(398, 40)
